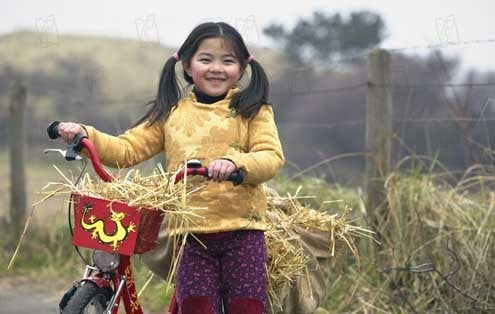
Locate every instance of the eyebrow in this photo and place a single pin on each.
(211, 55)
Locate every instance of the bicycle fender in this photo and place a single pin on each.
(100, 282)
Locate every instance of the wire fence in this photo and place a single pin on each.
(332, 120)
(343, 135)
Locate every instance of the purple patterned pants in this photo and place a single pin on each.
(230, 271)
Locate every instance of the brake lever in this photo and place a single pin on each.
(68, 155)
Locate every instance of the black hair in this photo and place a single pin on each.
(247, 102)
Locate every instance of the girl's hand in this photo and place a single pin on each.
(68, 130)
(220, 169)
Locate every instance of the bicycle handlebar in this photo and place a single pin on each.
(236, 177)
(81, 141)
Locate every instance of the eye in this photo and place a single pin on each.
(204, 60)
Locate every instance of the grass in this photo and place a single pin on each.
(437, 247)
(437, 252)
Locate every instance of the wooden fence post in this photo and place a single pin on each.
(378, 137)
(17, 107)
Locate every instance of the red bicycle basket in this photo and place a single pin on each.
(114, 226)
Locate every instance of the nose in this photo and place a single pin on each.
(216, 67)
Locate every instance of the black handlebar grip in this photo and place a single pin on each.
(53, 130)
(76, 142)
(236, 177)
(75, 146)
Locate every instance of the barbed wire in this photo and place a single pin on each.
(429, 120)
(444, 46)
(88, 98)
(320, 91)
(435, 85)
(82, 99)
(332, 125)
(364, 53)
(322, 125)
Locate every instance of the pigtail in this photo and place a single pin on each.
(249, 101)
(167, 97)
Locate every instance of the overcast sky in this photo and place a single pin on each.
(451, 24)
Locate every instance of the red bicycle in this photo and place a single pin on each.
(115, 232)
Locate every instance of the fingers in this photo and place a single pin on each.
(68, 130)
(220, 170)
(225, 171)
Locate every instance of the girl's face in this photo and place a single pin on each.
(214, 67)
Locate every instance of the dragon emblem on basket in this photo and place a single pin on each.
(114, 226)
(97, 227)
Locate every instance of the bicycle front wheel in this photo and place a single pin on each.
(88, 299)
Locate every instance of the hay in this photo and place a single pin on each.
(286, 258)
(156, 191)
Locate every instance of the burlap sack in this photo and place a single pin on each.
(159, 260)
(304, 296)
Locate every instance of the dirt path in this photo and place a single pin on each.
(21, 296)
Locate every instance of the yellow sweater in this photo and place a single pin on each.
(207, 132)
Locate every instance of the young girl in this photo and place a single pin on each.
(226, 129)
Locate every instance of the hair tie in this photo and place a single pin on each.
(176, 56)
(250, 58)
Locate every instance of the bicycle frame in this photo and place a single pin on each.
(122, 280)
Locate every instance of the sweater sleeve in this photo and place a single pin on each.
(134, 146)
(265, 157)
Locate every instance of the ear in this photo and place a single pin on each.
(242, 74)
(187, 67)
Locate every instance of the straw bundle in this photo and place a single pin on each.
(156, 191)
(286, 257)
